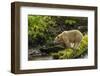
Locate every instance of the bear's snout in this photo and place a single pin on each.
(56, 41)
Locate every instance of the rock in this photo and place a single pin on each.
(36, 52)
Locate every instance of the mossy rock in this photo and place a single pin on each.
(70, 53)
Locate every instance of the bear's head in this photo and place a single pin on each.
(58, 39)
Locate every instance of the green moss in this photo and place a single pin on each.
(83, 46)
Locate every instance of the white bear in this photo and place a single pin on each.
(71, 38)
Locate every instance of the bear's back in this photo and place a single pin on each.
(73, 35)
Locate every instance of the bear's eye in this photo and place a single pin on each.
(58, 37)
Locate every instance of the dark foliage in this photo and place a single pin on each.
(43, 29)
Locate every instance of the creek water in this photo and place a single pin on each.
(37, 55)
(42, 58)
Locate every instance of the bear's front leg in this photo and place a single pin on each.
(68, 45)
(76, 45)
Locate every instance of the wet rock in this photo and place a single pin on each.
(36, 52)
